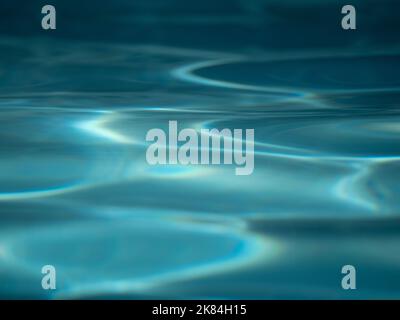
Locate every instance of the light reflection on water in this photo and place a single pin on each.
(76, 191)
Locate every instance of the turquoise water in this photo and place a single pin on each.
(76, 191)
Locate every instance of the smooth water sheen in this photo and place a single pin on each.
(76, 191)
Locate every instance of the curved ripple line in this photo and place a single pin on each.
(187, 73)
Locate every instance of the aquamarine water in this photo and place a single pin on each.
(76, 191)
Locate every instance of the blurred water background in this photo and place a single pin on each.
(76, 191)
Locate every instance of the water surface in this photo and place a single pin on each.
(76, 191)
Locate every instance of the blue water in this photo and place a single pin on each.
(76, 191)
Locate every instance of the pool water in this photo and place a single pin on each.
(76, 191)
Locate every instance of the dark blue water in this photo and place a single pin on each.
(76, 191)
